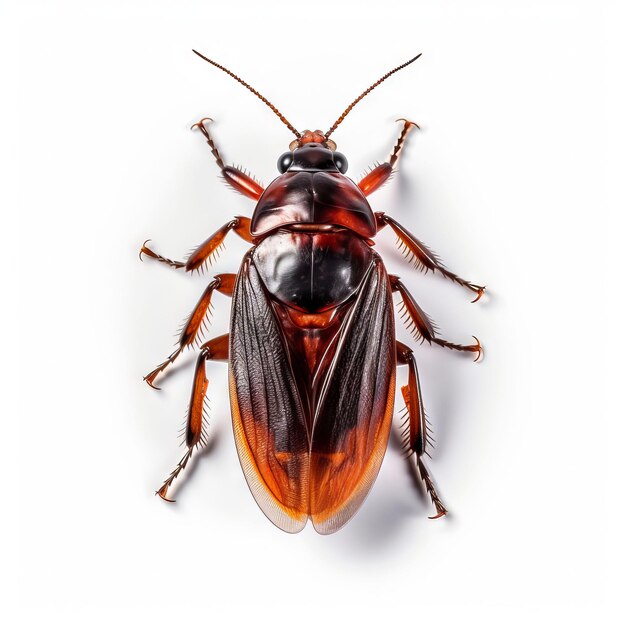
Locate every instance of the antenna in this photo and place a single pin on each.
(283, 119)
(380, 80)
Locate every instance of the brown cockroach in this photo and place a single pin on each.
(311, 351)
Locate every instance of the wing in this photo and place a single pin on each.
(353, 416)
(268, 418)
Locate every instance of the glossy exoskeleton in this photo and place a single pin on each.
(312, 351)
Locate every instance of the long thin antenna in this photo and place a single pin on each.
(380, 80)
(283, 119)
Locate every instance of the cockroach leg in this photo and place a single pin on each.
(416, 435)
(205, 131)
(145, 250)
(421, 326)
(421, 257)
(204, 253)
(195, 429)
(430, 488)
(192, 330)
(238, 179)
(406, 128)
(374, 179)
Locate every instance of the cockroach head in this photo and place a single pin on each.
(314, 154)
(312, 151)
(315, 136)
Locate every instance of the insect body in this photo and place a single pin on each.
(312, 351)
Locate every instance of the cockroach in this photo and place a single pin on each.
(311, 351)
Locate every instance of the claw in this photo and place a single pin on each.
(201, 123)
(143, 249)
(150, 380)
(162, 493)
(477, 290)
(478, 349)
(440, 513)
(403, 119)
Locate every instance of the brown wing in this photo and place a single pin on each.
(353, 417)
(268, 419)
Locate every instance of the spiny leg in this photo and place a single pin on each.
(224, 283)
(416, 436)
(421, 256)
(203, 254)
(420, 325)
(381, 173)
(195, 430)
(236, 178)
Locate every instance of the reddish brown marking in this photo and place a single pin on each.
(278, 478)
(413, 408)
(208, 247)
(204, 252)
(319, 198)
(341, 477)
(196, 404)
(226, 283)
(217, 348)
(312, 337)
(193, 325)
(242, 182)
(375, 179)
(243, 228)
(316, 136)
(412, 400)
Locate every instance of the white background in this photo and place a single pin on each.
(512, 180)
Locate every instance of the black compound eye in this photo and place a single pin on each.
(341, 162)
(284, 162)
